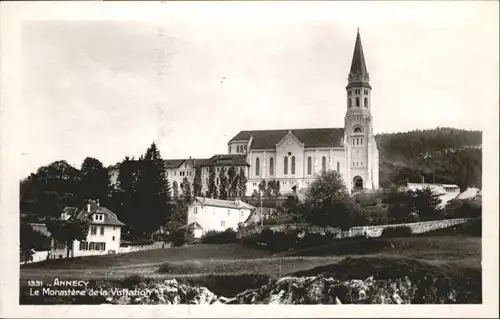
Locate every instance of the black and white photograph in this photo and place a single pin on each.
(269, 154)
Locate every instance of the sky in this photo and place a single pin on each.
(190, 76)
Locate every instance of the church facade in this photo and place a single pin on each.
(294, 156)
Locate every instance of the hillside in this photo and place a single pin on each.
(441, 155)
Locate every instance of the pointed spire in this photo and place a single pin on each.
(358, 65)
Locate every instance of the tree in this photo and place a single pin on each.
(175, 190)
(94, 181)
(223, 183)
(126, 202)
(67, 231)
(262, 187)
(153, 190)
(178, 219)
(197, 184)
(31, 240)
(212, 188)
(50, 189)
(400, 205)
(186, 191)
(327, 202)
(426, 204)
(242, 183)
(273, 191)
(232, 182)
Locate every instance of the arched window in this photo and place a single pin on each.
(285, 165)
(358, 129)
(271, 166)
(293, 165)
(357, 101)
(309, 165)
(257, 166)
(349, 102)
(366, 102)
(323, 164)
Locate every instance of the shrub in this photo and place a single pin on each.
(141, 241)
(215, 237)
(273, 240)
(399, 231)
(181, 237)
(315, 240)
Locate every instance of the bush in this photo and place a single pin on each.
(315, 240)
(141, 241)
(180, 237)
(215, 237)
(273, 240)
(399, 231)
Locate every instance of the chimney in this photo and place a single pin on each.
(423, 179)
(97, 202)
(88, 207)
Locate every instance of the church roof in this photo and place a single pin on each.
(311, 137)
(358, 65)
(225, 160)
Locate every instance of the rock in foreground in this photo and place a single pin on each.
(287, 290)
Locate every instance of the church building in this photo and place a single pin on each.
(294, 156)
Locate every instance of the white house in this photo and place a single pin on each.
(103, 236)
(216, 214)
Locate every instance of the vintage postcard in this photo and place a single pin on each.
(248, 159)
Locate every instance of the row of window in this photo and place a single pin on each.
(357, 164)
(356, 141)
(357, 91)
(239, 148)
(349, 102)
(93, 230)
(59, 245)
(84, 245)
(195, 212)
(183, 173)
(285, 165)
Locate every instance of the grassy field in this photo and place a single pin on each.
(231, 268)
(237, 259)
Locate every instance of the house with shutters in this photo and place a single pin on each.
(103, 236)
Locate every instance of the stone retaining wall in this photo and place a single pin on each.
(370, 231)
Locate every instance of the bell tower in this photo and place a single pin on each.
(359, 139)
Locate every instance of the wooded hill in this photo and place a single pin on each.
(441, 155)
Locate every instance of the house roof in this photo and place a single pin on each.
(109, 217)
(237, 204)
(225, 160)
(310, 137)
(193, 225)
(71, 211)
(173, 163)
